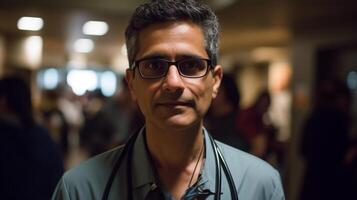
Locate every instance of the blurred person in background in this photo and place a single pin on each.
(94, 134)
(71, 107)
(54, 120)
(30, 162)
(325, 145)
(254, 124)
(221, 117)
(112, 124)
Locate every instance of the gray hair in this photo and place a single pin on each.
(160, 11)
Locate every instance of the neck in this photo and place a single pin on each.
(174, 148)
(176, 155)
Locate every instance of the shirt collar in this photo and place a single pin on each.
(142, 168)
(209, 169)
(143, 171)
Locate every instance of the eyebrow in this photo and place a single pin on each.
(154, 56)
(163, 56)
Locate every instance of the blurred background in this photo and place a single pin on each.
(293, 65)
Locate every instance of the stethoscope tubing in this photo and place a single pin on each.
(129, 143)
(227, 172)
(127, 151)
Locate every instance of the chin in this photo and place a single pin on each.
(180, 123)
(181, 119)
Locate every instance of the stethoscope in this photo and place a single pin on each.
(128, 150)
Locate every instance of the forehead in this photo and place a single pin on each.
(171, 39)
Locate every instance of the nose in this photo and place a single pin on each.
(173, 80)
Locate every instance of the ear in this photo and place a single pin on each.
(129, 77)
(217, 77)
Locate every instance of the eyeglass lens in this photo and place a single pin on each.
(155, 68)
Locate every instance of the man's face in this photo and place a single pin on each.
(173, 101)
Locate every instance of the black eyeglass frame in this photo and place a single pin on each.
(175, 63)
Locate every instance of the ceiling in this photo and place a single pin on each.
(245, 23)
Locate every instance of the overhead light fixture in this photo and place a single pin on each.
(33, 48)
(108, 83)
(95, 28)
(83, 45)
(50, 79)
(30, 23)
(82, 80)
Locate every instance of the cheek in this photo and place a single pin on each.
(203, 94)
(204, 102)
(145, 92)
(139, 95)
(143, 103)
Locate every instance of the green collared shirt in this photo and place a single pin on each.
(254, 178)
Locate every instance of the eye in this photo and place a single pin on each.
(153, 67)
(192, 67)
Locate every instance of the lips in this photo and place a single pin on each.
(175, 103)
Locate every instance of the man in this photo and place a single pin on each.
(173, 76)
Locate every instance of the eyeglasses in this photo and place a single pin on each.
(152, 68)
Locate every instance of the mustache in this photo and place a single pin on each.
(171, 101)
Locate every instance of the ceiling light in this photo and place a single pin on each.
(33, 49)
(50, 79)
(82, 80)
(83, 45)
(95, 28)
(30, 23)
(108, 83)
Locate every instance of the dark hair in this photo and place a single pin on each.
(330, 92)
(18, 98)
(160, 11)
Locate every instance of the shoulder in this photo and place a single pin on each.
(254, 176)
(245, 160)
(102, 161)
(88, 179)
